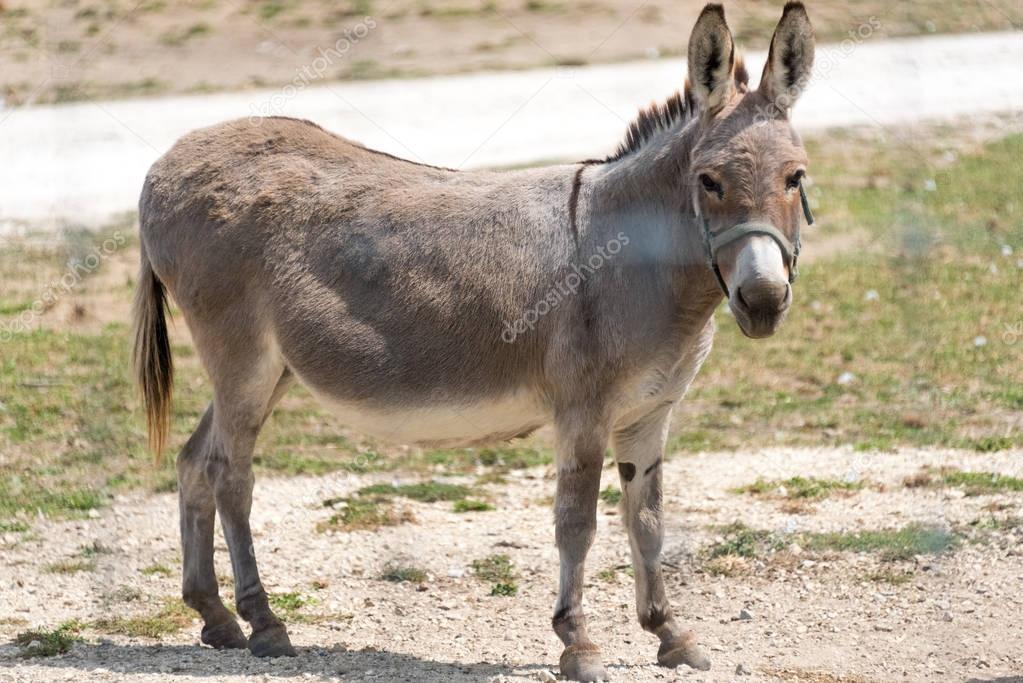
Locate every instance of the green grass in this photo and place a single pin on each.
(972, 483)
(611, 495)
(889, 544)
(402, 573)
(470, 505)
(799, 488)
(172, 616)
(425, 492)
(83, 561)
(499, 571)
(156, 570)
(49, 643)
(980, 483)
(740, 540)
(363, 514)
(289, 607)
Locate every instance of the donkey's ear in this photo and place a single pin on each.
(790, 59)
(711, 59)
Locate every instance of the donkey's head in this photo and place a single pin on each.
(747, 164)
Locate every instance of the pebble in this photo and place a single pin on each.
(545, 676)
(745, 615)
(743, 670)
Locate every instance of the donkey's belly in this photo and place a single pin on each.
(444, 423)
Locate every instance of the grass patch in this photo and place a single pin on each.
(890, 544)
(40, 643)
(799, 488)
(426, 492)
(173, 616)
(289, 606)
(156, 569)
(497, 460)
(739, 543)
(402, 573)
(470, 505)
(13, 527)
(972, 483)
(18, 495)
(83, 561)
(364, 513)
(498, 571)
(980, 483)
(610, 574)
(739, 540)
(611, 495)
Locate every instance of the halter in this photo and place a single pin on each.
(790, 252)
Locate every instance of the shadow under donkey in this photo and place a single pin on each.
(335, 663)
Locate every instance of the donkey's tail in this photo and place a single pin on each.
(154, 370)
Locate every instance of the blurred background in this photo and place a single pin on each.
(881, 425)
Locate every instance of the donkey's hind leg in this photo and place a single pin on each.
(239, 413)
(639, 450)
(198, 509)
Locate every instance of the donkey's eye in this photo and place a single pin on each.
(792, 182)
(711, 185)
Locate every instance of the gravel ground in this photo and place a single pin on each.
(807, 617)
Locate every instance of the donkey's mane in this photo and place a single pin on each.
(678, 108)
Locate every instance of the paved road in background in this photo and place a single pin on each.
(85, 162)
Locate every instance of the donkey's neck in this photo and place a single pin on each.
(645, 195)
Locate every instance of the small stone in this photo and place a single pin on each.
(745, 615)
(846, 378)
(946, 616)
(93, 513)
(743, 670)
(871, 295)
(979, 341)
(545, 676)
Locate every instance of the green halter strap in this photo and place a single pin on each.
(789, 250)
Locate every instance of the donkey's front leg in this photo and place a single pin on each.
(639, 451)
(580, 456)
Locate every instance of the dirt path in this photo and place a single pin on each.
(84, 162)
(813, 616)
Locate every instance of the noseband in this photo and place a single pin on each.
(790, 252)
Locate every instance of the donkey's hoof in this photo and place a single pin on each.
(227, 635)
(272, 641)
(582, 663)
(683, 651)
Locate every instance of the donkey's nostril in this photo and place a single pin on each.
(741, 298)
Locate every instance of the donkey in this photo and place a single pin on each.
(438, 307)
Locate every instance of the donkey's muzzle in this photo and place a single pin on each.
(760, 306)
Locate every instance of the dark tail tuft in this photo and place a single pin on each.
(154, 370)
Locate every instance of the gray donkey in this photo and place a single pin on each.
(438, 307)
